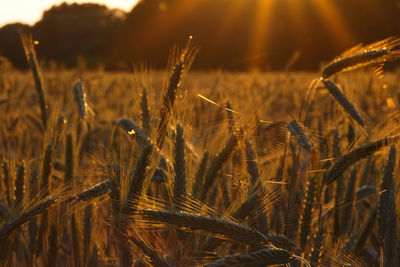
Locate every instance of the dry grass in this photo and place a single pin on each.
(214, 180)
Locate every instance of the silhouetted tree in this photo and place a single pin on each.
(10, 44)
(68, 31)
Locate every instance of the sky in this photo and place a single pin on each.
(30, 11)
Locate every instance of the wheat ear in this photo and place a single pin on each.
(137, 180)
(80, 98)
(361, 56)
(168, 101)
(6, 229)
(216, 165)
(145, 112)
(232, 230)
(297, 131)
(30, 54)
(179, 166)
(338, 95)
(263, 257)
(387, 218)
(347, 160)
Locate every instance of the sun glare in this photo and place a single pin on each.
(260, 35)
(28, 11)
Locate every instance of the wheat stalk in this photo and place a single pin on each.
(361, 56)
(251, 162)
(297, 131)
(346, 215)
(217, 164)
(137, 180)
(387, 217)
(338, 95)
(134, 131)
(142, 139)
(30, 54)
(339, 185)
(5, 212)
(365, 231)
(80, 98)
(347, 160)
(179, 166)
(235, 231)
(39, 208)
(198, 182)
(20, 184)
(169, 100)
(309, 203)
(146, 117)
(264, 257)
(92, 192)
(53, 241)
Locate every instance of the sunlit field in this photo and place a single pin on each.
(190, 168)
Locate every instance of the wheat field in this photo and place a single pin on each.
(186, 168)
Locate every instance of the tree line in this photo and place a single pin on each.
(231, 34)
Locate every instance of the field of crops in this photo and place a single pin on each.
(182, 168)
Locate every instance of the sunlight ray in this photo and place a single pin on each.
(334, 22)
(261, 32)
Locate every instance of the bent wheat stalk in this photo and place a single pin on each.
(347, 160)
(362, 56)
(141, 138)
(92, 192)
(232, 230)
(263, 257)
(9, 226)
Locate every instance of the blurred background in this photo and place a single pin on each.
(238, 35)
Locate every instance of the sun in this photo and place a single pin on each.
(122, 4)
(12, 12)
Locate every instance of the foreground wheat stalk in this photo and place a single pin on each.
(223, 227)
